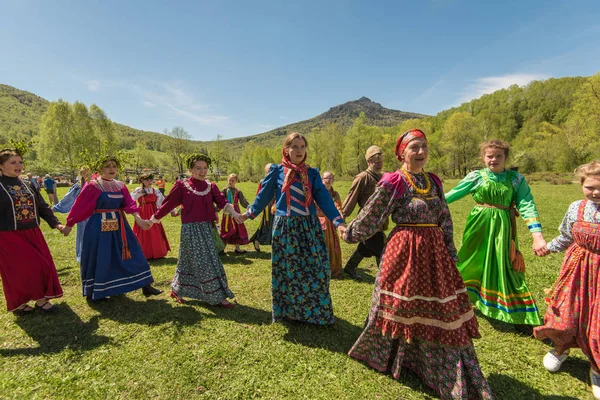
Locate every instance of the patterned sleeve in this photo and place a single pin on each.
(243, 202)
(467, 186)
(445, 223)
(159, 198)
(526, 205)
(565, 239)
(373, 215)
(65, 204)
(137, 193)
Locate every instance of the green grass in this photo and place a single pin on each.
(130, 347)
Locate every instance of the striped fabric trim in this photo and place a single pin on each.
(336, 219)
(501, 307)
(532, 226)
(299, 211)
(116, 286)
(532, 219)
(297, 190)
(250, 213)
(117, 280)
(428, 321)
(436, 299)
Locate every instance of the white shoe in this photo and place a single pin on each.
(552, 362)
(595, 378)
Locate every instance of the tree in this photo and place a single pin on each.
(582, 128)
(178, 146)
(358, 139)
(460, 140)
(218, 157)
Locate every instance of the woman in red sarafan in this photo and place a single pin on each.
(231, 231)
(26, 267)
(421, 317)
(154, 241)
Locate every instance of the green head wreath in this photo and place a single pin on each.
(21, 148)
(192, 158)
(98, 165)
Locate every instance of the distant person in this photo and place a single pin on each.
(26, 267)
(33, 181)
(361, 189)
(50, 187)
(154, 241)
(332, 238)
(490, 261)
(66, 203)
(263, 234)
(161, 184)
(231, 231)
(572, 319)
(301, 273)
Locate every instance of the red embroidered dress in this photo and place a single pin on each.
(231, 231)
(26, 266)
(154, 241)
(421, 317)
(572, 318)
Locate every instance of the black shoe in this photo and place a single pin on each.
(353, 274)
(526, 330)
(149, 290)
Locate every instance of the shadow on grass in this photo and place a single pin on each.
(57, 332)
(245, 258)
(338, 337)
(577, 368)
(155, 311)
(160, 262)
(241, 314)
(506, 387)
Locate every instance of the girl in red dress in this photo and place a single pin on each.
(154, 241)
(231, 231)
(572, 318)
(26, 266)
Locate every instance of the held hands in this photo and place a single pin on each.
(65, 229)
(539, 245)
(143, 223)
(240, 218)
(342, 231)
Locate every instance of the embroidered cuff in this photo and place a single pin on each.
(250, 214)
(337, 220)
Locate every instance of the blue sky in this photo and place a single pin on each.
(237, 68)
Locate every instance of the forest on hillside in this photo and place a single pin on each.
(552, 125)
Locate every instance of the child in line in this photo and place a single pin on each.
(231, 231)
(264, 234)
(572, 319)
(489, 260)
(331, 236)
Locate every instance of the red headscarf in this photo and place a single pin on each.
(289, 171)
(405, 138)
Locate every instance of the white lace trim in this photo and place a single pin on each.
(197, 193)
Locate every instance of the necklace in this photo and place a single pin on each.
(412, 183)
(197, 193)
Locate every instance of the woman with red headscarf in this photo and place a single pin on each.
(421, 317)
(301, 269)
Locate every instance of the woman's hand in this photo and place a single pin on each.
(539, 244)
(240, 218)
(65, 230)
(342, 231)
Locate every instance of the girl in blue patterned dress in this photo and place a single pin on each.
(300, 262)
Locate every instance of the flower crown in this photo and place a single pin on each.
(192, 158)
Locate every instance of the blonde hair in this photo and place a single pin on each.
(494, 144)
(287, 143)
(233, 175)
(328, 172)
(586, 170)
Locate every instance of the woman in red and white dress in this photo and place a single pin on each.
(154, 241)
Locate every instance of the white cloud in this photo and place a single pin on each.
(148, 104)
(492, 83)
(93, 85)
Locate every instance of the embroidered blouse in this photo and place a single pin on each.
(85, 204)
(22, 206)
(591, 213)
(229, 194)
(271, 188)
(394, 197)
(524, 199)
(197, 207)
(139, 192)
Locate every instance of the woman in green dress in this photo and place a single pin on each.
(489, 259)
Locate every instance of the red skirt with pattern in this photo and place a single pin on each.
(26, 267)
(422, 293)
(573, 316)
(154, 241)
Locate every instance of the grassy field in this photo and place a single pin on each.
(130, 347)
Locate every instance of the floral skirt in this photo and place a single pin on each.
(200, 273)
(301, 274)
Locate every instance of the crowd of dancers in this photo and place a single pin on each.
(421, 317)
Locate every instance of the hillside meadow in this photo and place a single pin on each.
(132, 348)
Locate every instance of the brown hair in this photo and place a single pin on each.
(287, 143)
(5, 154)
(494, 144)
(586, 170)
(83, 172)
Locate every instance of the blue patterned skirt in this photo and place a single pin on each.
(200, 273)
(301, 271)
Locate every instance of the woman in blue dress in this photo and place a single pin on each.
(300, 262)
(65, 204)
(112, 260)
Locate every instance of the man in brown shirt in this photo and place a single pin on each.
(362, 188)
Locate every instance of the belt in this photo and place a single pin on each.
(493, 206)
(126, 253)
